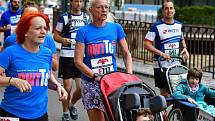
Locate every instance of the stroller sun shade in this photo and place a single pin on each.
(114, 86)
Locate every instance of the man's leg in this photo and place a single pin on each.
(67, 83)
(77, 94)
(161, 81)
(75, 97)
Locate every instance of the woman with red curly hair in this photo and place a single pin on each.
(27, 66)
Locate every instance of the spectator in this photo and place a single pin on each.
(65, 34)
(28, 70)
(168, 40)
(97, 41)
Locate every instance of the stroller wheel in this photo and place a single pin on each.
(161, 116)
(175, 115)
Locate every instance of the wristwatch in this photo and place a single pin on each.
(95, 75)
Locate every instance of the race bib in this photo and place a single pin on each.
(73, 35)
(102, 65)
(13, 28)
(8, 119)
(172, 49)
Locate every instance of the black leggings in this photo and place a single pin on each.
(4, 113)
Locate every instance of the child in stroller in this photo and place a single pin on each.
(125, 94)
(194, 91)
(144, 115)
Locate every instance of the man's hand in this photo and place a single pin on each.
(165, 56)
(8, 27)
(66, 41)
(185, 54)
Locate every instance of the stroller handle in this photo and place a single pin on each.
(172, 59)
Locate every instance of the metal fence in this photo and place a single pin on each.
(200, 42)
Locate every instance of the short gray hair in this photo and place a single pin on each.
(93, 2)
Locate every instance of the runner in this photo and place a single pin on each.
(97, 41)
(165, 38)
(28, 70)
(65, 34)
(28, 8)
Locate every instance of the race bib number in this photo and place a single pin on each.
(13, 28)
(172, 49)
(73, 35)
(173, 52)
(102, 65)
(8, 119)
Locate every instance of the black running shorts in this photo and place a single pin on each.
(67, 68)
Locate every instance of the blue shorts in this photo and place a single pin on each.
(91, 95)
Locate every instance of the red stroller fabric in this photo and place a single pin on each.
(111, 82)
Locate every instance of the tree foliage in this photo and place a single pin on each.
(36, 1)
(197, 15)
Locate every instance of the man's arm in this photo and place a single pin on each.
(5, 28)
(148, 45)
(184, 52)
(60, 39)
(57, 36)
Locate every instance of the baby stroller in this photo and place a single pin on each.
(124, 94)
(181, 109)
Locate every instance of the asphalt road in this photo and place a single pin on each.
(55, 108)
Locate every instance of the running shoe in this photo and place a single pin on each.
(65, 117)
(73, 113)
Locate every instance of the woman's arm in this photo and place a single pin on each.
(55, 63)
(126, 56)
(78, 59)
(61, 91)
(22, 85)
